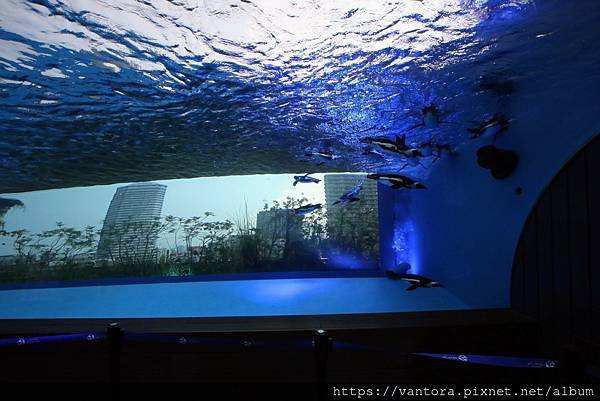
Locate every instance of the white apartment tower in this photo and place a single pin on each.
(129, 230)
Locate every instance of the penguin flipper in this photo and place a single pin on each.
(474, 135)
(401, 141)
(413, 287)
(392, 275)
(396, 186)
(403, 167)
(295, 182)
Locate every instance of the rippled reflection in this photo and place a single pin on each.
(109, 91)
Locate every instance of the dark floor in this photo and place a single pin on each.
(385, 357)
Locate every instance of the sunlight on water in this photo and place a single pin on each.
(98, 92)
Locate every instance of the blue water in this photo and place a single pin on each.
(97, 92)
(228, 298)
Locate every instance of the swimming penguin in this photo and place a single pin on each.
(369, 150)
(306, 209)
(396, 145)
(305, 179)
(323, 155)
(396, 181)
(432, 148)
(403, 267)
(414, 280)
(497, 84)
(431, 117)
(411, 153)
(412, 157)
(350, 196)
(492, 126)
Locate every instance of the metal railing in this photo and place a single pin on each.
(321, 343)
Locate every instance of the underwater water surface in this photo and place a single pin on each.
(100, 92)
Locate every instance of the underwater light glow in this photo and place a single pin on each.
(284, 289)
(405, 244)
(348, 261)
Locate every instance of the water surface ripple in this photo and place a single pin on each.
(96, 91)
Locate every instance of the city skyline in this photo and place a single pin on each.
(138, 237)
(87, 206)
(81, 207)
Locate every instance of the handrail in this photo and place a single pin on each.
(126, 336)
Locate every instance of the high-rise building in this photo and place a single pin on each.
(279, 223)
(354, 224)
(129, 231)
(278, 228)
(338, 184)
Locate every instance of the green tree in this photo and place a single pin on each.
(133, 242)
(354, 228)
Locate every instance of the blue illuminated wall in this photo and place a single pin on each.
(398, 232)
(463, 230)
(386, 199)
(469, 223)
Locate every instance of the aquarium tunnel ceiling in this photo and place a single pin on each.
(99, 92)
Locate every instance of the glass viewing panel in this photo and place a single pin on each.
(189, 227)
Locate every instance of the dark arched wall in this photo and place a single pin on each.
(556, 269)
